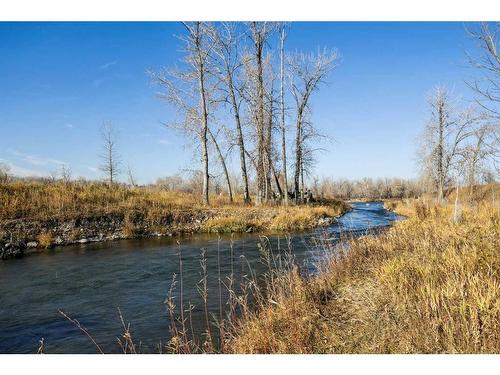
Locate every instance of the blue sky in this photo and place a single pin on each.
(60, 81)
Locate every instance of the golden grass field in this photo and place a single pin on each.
(41, 201)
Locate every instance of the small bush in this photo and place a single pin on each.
(46, 240)
(227, 225)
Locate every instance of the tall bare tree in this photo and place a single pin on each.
(282, 107)
(443, 138)
(110, 159)
(271, 103)
(190, 92)
(259, 34)
(131, 176)
(227, 67)
(307, 72)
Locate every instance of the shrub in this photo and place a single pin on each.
(46, 240)
(227, 225)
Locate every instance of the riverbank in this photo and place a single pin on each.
(430, 284)
(36, 216)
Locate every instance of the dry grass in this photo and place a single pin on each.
(293, 218)
(228, 224)
(489, 193)
(45, 240)
(428, 285)
(44, 201)
(301, 218)
(42, 211)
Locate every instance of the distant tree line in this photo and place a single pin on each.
(367, 188)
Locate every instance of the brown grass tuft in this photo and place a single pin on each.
(46, 240)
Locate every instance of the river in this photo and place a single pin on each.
(89, 282)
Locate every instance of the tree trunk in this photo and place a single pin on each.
(277, 181)
(203, 133)
(440, 155)
(223, 163)
(283, 128)
(302, 187)
(260, 116)
(268, 147)
(111, 170)
(241, 144)
(298, 155)
(251, 159)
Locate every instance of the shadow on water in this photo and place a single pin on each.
(89, 282)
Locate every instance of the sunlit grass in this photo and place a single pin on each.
(287, 219)
(428, 285)
(44, 200)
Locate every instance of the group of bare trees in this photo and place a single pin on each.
(460, 144)
(226, 96)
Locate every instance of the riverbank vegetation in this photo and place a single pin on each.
(43, 200)
(288, 219)
(430, 284)
(48, 213)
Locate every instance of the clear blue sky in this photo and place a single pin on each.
(60, 81)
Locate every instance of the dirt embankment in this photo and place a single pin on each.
(20, 237)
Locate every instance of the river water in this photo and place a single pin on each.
(90, 282)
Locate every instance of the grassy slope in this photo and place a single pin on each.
(428, 285)
(43, 202)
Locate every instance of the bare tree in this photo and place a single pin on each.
(487, 86)
(259, 34)
(66, 173)
(442, 139)
(282, 105)
(478, 152)
(131, 175)
(306, 74)
(189, 91)
(227, 66)
(110, 159)
(4, 172)
(271, 104)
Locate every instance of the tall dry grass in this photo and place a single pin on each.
(46, 201)
(293, 218)
(428, 285)
(49, 200)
